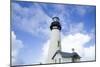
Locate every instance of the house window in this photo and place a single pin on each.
(59, 60)
(73, 59)
(55, 60)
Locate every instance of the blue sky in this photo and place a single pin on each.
(31, 33)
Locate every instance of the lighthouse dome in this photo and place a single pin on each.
(55, 24)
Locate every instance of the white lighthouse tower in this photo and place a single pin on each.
(55, 55)
(55, 40)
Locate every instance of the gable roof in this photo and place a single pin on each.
(67, 55)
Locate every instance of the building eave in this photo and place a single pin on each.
(66, 55)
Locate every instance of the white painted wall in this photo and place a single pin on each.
(57, 58)
(53, 47)
(66, 59)
(63, 59)
(77, 60)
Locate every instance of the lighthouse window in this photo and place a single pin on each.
(58, 43)
(54, 27)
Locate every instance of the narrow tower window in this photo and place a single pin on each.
(58, 43)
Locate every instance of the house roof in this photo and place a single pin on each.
(67, 54)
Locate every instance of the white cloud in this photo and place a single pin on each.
(16, 46)
(45, 51)
(73, 28)
(74, 41)
(78, 27)
(77, 41)
(89, 53)
(30, 19)
(81, 10)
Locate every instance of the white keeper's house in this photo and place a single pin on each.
(55, 55)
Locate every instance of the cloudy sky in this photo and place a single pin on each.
(31, 33)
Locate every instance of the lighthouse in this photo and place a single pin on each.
(55, 39)
(55, 55)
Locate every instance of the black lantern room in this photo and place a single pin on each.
(55, 24)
